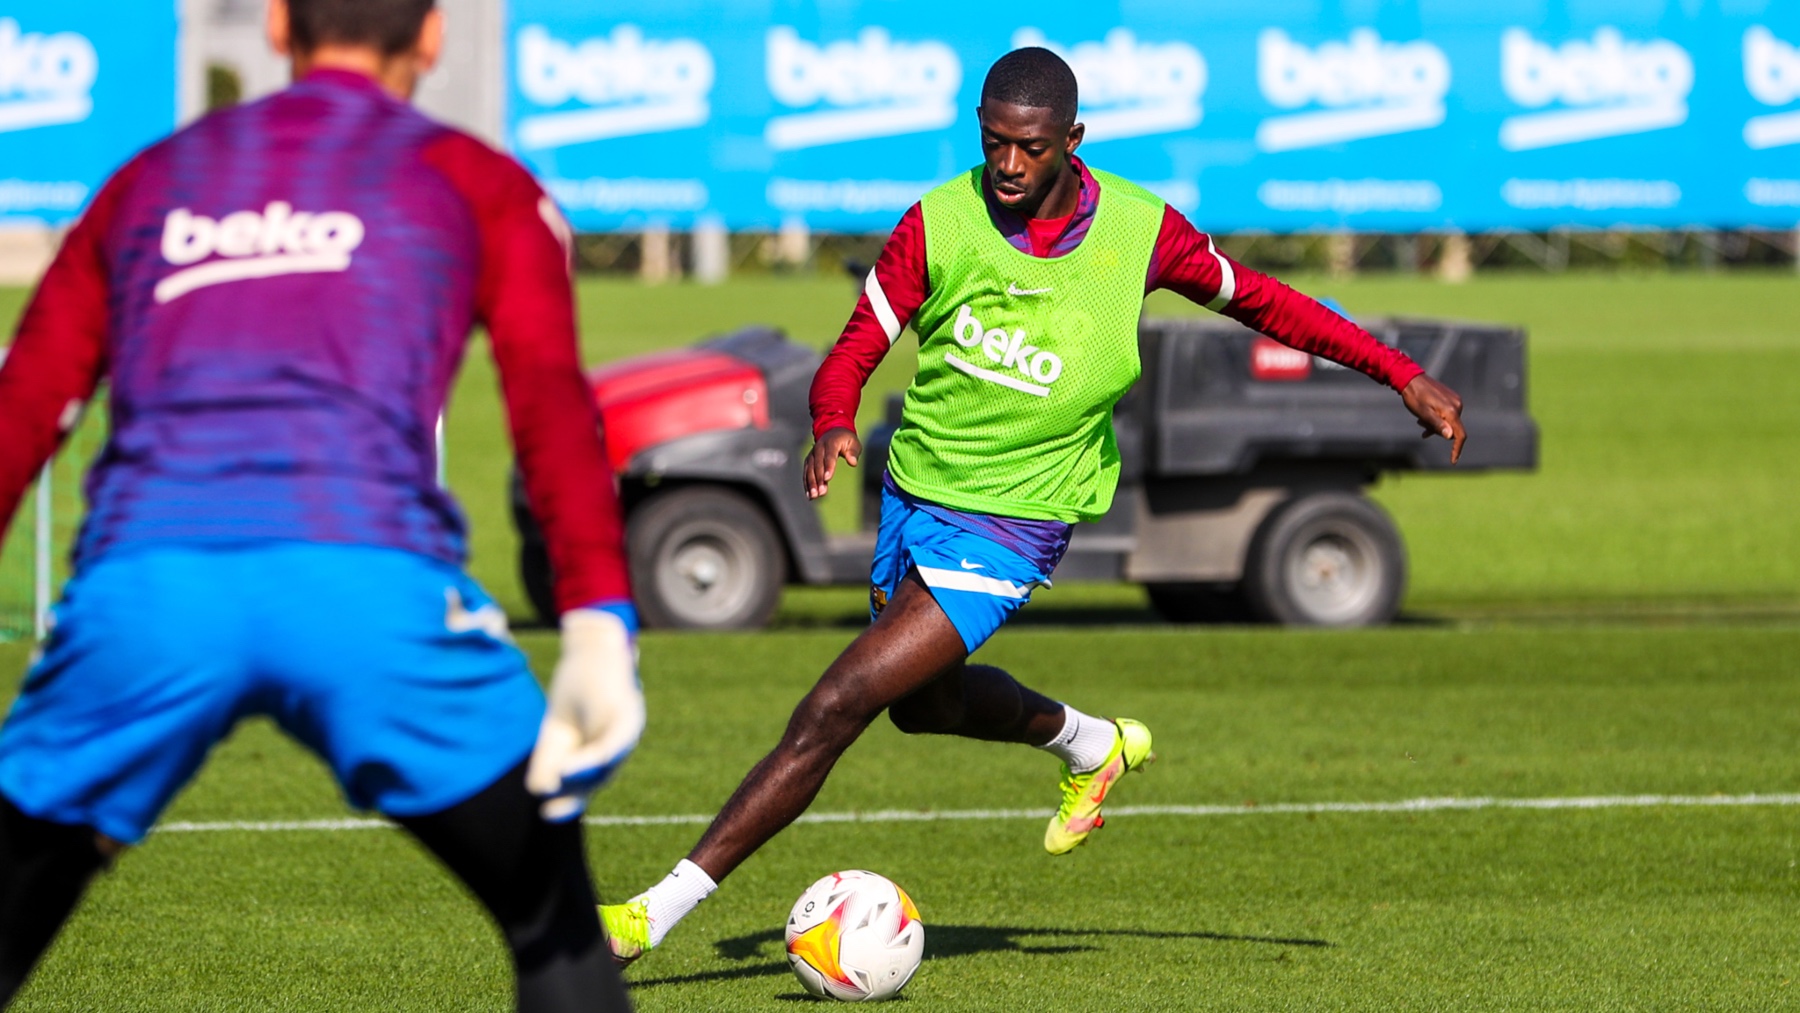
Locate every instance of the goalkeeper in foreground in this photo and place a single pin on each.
(280, 296)
(1024, 280)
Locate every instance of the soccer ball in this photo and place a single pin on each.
(855, 936)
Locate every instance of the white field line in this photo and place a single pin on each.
(1414, 805)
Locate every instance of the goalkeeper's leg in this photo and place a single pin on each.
(532, 877)
(44, 869)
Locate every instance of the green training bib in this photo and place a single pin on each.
(1022, 358)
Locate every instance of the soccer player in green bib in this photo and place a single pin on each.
(1024, 279)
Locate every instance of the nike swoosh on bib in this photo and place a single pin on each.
(1012, 288)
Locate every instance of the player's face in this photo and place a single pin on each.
(1027, 152)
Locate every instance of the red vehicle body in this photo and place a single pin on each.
(706, 443)
(654, 399)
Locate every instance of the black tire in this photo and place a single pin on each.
(704, 558)
(1326, 559)
(1198, 603)
(540, 584)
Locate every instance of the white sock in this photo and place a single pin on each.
(680, 892)
(1083, 742)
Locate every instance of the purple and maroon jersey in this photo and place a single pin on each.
(280, 295)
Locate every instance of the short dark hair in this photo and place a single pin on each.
(391, 26)
(1034, 77)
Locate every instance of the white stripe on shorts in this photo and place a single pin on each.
(962, 580)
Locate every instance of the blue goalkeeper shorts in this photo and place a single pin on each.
(974, 575)
(396, 669)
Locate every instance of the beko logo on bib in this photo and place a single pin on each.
(1368, 88)
(1131, 88)
(1008, 351)
(1608, 87)
(248, 244)
(45, 80)
(627, 84)
(871, 87)
(1772, 73)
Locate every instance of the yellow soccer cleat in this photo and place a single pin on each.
(1082, 794)
(627, 929)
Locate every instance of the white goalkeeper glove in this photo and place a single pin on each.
(595, 717)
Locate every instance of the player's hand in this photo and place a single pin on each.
(595, 717)
(1439, 411)
(821, 463)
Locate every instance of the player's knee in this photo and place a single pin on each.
(828, 720)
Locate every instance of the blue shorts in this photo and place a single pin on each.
(978, 582)
(396, 669)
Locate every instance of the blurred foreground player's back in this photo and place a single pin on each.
(280, 296)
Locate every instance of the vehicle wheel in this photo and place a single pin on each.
(1328, 559)
(1198, 603)
(534, 573)
(704, 558)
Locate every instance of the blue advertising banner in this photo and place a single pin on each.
(1283, 114)
(83, 85)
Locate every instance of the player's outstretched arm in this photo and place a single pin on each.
(1186, 261)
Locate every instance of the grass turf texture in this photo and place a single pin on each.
(1622, 622)
(1576, 910)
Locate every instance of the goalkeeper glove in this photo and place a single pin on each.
(596, 710)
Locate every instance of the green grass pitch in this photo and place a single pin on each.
(1625, 622)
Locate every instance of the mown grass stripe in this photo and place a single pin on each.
(1414, 805)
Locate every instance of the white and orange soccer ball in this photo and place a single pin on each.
(855, 936)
